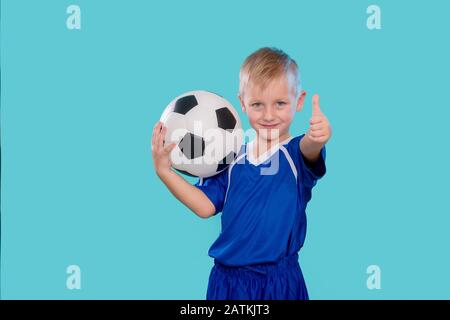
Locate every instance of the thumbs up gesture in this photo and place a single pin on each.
(319, 131)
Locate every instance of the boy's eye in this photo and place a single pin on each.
(281, 103)
(256, 105)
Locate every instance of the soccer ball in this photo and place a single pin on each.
(207, 131)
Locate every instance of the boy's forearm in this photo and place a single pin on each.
(189, 195)
(310, 149)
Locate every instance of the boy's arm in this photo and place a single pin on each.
(189, 195)
(318, 134)
(309, 149)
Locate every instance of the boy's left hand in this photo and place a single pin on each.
(319, 131)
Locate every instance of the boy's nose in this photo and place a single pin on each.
(268, 114)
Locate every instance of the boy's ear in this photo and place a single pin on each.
(242, 103)
(301, 101)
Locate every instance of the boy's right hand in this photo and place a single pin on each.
(160, 153)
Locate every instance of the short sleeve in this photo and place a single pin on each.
(215, 188)
(308, 173)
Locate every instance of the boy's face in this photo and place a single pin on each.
(270, 110)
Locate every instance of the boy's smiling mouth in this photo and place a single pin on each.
(269, 126)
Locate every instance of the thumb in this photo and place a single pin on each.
(315, 105)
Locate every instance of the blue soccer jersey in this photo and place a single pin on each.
(263, 203)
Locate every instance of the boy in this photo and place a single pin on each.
(263, 209)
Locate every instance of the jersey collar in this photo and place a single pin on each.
(266, 155)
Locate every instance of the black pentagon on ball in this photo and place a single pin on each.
(185, 104)
(225, 119)
(225, 162)
(192, 146)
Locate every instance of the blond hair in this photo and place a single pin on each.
(266, 64)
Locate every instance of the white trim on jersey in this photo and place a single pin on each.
(229, 173)
(289, 159)
(201, 181)
(266, 155)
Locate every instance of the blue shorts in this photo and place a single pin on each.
(269, 281)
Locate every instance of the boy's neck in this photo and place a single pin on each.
(262, 144)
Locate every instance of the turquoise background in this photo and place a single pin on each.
(78, 106)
